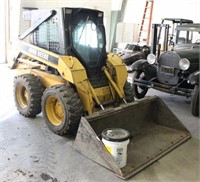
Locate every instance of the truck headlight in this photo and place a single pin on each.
(184, 64)
(151, 58)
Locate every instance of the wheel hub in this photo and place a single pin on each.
(54, 111)
(22, 96)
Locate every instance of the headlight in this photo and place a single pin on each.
(184, 64)
(151, 58)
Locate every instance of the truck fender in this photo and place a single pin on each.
(139, 65)
(148, 69)
(194, 78)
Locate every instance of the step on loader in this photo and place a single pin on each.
(65, 72)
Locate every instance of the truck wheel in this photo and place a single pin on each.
(27, 94)
(128, 91)
(62, 109)
(195, 101)
(139, 91)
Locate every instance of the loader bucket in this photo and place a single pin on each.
(154, 130)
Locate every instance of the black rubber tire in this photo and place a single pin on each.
(136, 92)
(31, 85)
(195, 101)
(71, 109)
(128, 91)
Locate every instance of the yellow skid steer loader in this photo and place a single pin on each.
(65, 72)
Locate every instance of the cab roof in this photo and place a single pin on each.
(189, 27)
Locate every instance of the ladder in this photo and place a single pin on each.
(145, 34)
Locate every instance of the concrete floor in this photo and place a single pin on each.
(29, 151)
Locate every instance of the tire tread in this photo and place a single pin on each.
(74, 107)
(35, 90)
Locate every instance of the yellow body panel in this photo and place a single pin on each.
(117, 70)
(71, 69)
(104, 94)
(30, 53)
(48, 79)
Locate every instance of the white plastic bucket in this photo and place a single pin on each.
(116, 141)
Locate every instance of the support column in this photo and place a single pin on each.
(2, 31)
(117, 15)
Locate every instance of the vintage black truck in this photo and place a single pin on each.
(174, 72)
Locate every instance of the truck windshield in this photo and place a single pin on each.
(88, 41)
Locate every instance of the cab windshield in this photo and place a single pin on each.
(188, 37)
(88, 41)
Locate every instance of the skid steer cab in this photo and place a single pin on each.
(65, 72)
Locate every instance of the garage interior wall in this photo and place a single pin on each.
(187, 9)
(2, 31)
(133, 11)
(12, 17)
